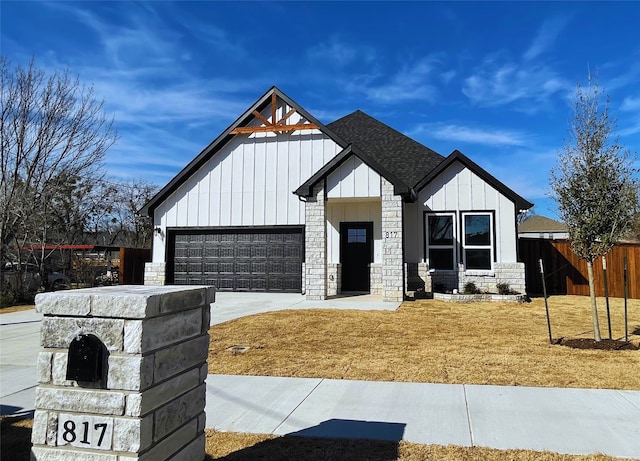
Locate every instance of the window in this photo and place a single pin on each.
(357, 236)
(440, 241)
(477, 241)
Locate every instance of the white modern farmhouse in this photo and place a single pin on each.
(280, 202)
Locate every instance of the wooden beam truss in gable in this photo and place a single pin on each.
(273, 126)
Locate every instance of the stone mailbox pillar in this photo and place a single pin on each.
(145, 399)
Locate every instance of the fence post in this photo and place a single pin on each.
(546, 305)
(606, 292)
(626, 323)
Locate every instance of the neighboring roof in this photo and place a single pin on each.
(399, 155)
(541, 224)
(457, 156)
(224, 137)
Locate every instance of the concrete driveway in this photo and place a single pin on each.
(19, 347)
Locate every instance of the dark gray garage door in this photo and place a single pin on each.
(264, 259)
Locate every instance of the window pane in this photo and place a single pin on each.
(356, 235)
(478, 259)
(477, 230)
(440, 230)
(441, 258)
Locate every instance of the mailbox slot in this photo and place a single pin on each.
(85, 360)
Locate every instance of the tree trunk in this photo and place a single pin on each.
(594, 307)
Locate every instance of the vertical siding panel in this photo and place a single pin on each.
(226, 170)
(293, 176)
(466, 189)
(203, 200)
(260, 183)
(192, 203)
(215, 198)
(282, 181)
(182, 209)
(306, 160)
(348, 187)
(271, 183)
(248, 184)
(360, 178)
(374, 184)
(237, 166)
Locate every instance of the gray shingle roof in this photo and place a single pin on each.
(404, 157)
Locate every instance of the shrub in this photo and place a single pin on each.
(505, 289)
(470, 288)
(7, 298)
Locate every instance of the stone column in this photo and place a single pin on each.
(315, 231)
(392, 259)
(154, 273)
(148, 400)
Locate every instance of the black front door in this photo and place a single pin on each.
(356, 252)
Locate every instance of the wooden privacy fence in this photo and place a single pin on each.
(132, 265)
(567, 274)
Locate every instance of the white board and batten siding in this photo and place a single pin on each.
(353, 193)
(353, 179)
(249, 182)
(459, 189)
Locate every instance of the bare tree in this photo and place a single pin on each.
(53, 131)
(112, 212)
(593, 184)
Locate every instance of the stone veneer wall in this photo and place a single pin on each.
(334, 279)
(511, 273)
(375, 281)
(392, 237)
(154, 273)
(315, 237)
(150, 405)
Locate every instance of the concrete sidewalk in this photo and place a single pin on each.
(570, 421)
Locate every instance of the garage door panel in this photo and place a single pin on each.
(240, 260)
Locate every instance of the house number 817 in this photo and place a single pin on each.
(69, 433)
(85, 431)
(392, 234)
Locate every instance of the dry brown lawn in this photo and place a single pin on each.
(229, 446)
(16, 435)
(8, 310)
(434, 341)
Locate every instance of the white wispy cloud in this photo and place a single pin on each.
(414, 81)
(497, 84)
(339, 53)
(502, 79)
(546, 36)
(164, 112)
(630, 104)
(470, 135)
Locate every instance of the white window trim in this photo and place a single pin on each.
(491, 245)
(453, 246)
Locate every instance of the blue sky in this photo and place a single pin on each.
(493, 80)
